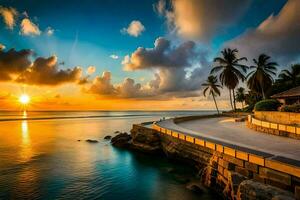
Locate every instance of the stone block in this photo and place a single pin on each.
(275, 175)
(298, 131)
(181, 136)
(174, 134)
(274, 125)
(242, 171)
(199, 142)
(233, 160)
(220, 169)
(291, 129)
(282, 127)
(265, 124)
(210, 145)
(219, 148)
(229, 151)
(256, 159)
(282, 167)
(189, 139)
(242, 155)
(251, 167)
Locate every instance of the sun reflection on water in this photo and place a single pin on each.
(26, 148)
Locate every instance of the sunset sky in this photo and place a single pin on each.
(133, 54)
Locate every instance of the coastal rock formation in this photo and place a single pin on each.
(91, 141)
(250, 189)
(122, 140)
(108, 137)
(146, 140)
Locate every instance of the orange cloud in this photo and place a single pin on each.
(134, 29)
(29, 28)
(9, 16)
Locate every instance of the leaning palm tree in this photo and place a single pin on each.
(290, 76)
(261, 77)
(240, 95)
(212, 88)
(231, 71)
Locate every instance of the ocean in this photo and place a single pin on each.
(41, 158)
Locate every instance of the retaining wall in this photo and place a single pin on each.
(280, 129)
(286, 118)
(227, 166)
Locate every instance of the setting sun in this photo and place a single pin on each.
(24, 99)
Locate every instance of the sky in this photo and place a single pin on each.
(133, 54)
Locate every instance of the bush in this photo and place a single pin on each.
(267, 105)
(291, 108)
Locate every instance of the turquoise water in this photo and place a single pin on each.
(40, 158)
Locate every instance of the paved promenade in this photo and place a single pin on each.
(225, 131)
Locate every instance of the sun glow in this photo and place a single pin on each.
(24, 99)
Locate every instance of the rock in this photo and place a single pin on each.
(78, 140)
(121, 140)
(117, 132)
(250, 189)
(108, 137)
(91, 141)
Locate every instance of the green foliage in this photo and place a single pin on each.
(291, 108)
(267, 105)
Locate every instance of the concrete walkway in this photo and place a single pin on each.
(225, 130)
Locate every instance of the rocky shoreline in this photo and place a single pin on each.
(239, 186)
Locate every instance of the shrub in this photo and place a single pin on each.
(291, 108)
(267, 105)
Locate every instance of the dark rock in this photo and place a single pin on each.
(92, 141)
(78, 140)
(108, 137)
(121, 140)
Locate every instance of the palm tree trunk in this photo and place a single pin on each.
(263, 93)
(216, 104)
(234, 104)
(243, 104)
(230, 99)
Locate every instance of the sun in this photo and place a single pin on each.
(24, 99)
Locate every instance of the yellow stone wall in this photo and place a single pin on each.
(278, 117)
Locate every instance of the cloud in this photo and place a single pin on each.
(9, 16)
(29, 28)
(13, 62)
(134, 29)
(102, 85)
(162, 55)
(178, 71)
(90, 70)
(49, 31)
(200, 19)
(115, 57)
(277, 35)
(45, 71)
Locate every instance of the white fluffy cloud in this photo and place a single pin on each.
(134, 29)
(115, 57)
(9, 16)
(201, 19)
(278, 36)
(29, 28)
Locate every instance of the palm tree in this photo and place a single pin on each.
(212, 88)
(261, 77)
(240, 95)
(290, 76)
(231, 70)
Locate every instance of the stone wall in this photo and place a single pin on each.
(292, 131)
(224, 169)
(278, 117)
